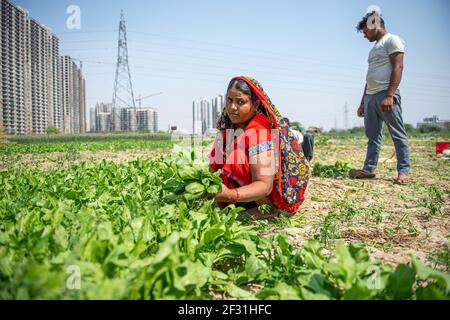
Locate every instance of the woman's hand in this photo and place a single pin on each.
(227, 194)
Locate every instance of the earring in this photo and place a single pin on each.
(258, 108)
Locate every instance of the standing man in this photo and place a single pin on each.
(381, 101)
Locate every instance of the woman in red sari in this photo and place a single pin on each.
(260, 159)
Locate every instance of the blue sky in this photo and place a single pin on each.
(307, 55)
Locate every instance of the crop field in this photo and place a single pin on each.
(127, 217)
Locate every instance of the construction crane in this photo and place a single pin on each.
(151, 95)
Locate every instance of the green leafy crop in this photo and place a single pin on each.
(150, 230)
(339, 169)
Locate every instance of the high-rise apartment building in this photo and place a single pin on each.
(130, 119)
(55, 116)
(73, 96)
(147, 119)
(15, 69)
(92, 120)
(34, 80)
(82, 101)
(101, 117)
(217, 104)
(39, 77)
(66, 67)
(205, 113)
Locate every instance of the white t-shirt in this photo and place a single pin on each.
(298, 135)
(380, 68)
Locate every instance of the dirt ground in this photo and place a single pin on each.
(393, 220)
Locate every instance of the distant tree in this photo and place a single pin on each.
(447, 125)
(296, 125)
(356, 130)
(51, 129)
(409, 128)
(427, 129)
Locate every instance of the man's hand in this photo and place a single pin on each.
(386, 104)
(360, 111)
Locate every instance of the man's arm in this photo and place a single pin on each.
(360, 111)
(396, 60)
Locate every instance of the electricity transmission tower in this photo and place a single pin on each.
(346, 116)
(123, 104)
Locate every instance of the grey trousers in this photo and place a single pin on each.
(373, 123)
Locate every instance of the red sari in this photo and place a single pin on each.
(291, 169)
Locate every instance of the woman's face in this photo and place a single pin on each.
(240, 107)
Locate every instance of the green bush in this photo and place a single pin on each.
(52, 130)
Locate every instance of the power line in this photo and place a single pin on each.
(292, 72)
(410, 74)
(77, 32)
(331, 63)
(314, 89)
(305, 83)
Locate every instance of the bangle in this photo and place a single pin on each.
(237, 198)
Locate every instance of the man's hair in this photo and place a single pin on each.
(372, 16)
